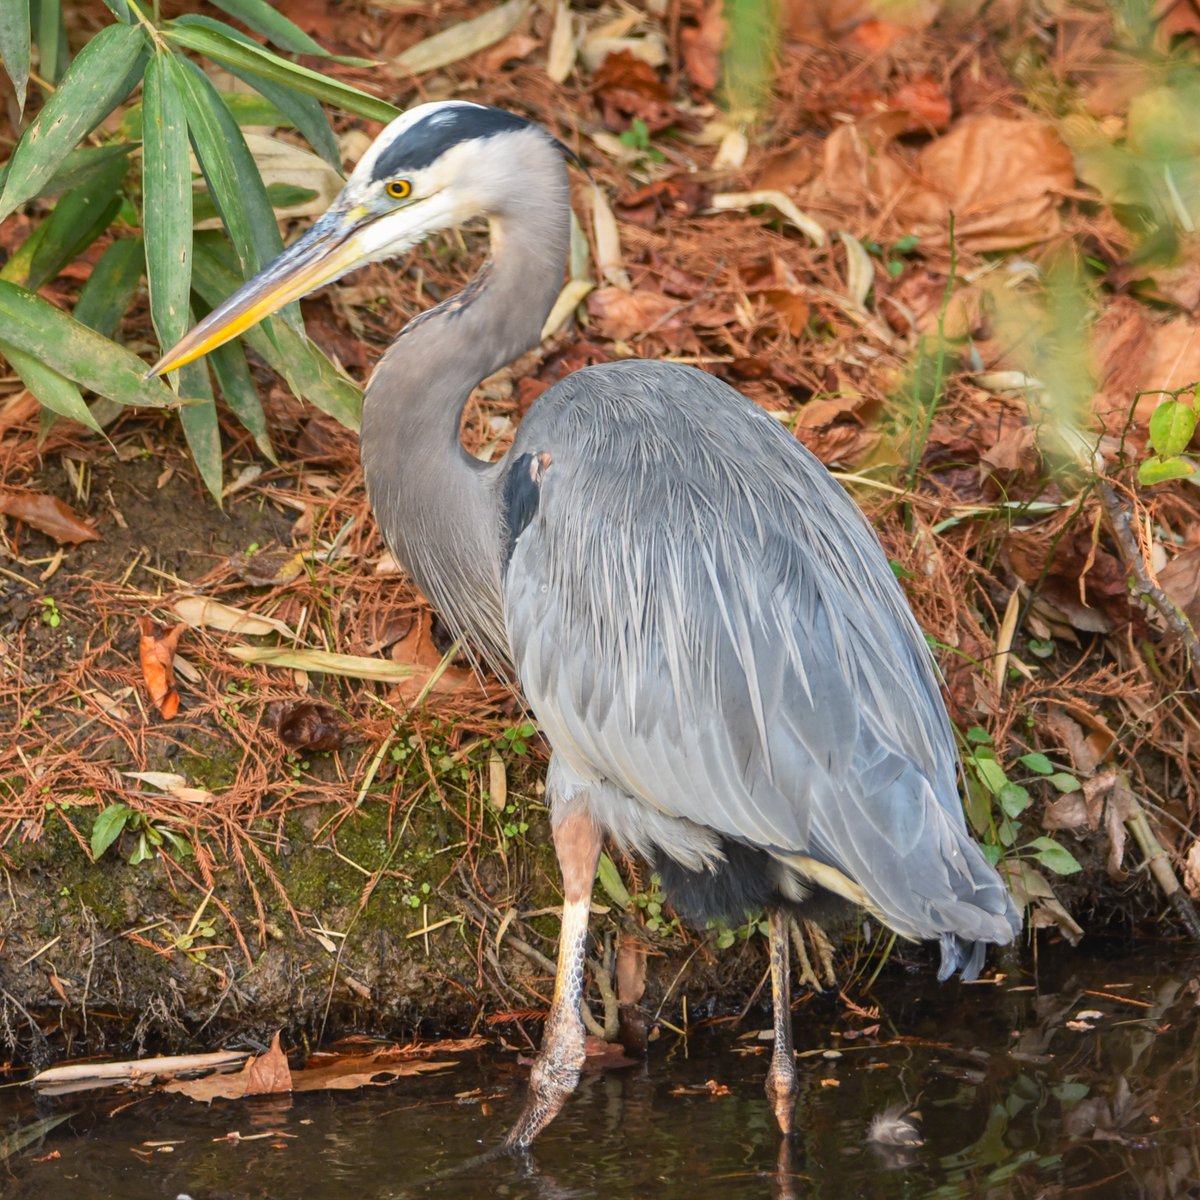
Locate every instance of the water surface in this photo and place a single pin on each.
(1083, 1081)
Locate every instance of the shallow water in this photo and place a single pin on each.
(1019, 1096)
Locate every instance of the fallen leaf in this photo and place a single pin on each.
(701, 46)
(626, 88)
(203, 612)
(307, 726)
(428, 666)
(156, 652)
(1180, 579)
(464, 39)
(323, 662)
(620, 313)
(48, 514)
(268, 568)
(264, 1075)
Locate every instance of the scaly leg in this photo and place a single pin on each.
(555, 1073)
(782, 1087)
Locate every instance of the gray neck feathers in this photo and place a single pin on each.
(437, 504)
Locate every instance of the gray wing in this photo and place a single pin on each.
(703, 620)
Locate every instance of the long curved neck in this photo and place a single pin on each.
(437, 505)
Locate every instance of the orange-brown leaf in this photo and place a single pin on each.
(156, 652)
(47, 514)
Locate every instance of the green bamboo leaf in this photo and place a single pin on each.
(62, 343)
(187, 32)
(229, 365)
(79, 167)
(120, 10)
(611, 881)
(246, 107)
(99, 79)
(198, 415)
(108, 292)
(307, 371)
(303, 112)
(53, 391)
(229, 168)
(1172, 425)
(14, 45)
(273, 25)
(167, 206)
(78, 219)
(16, 270)
(51, 38)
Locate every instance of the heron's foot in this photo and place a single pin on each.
(782, 1088)
(554, 1077)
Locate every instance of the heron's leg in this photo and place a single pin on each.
(782, 1087)
(555, 1073)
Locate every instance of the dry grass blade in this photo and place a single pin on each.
(462, 40)
(809, 226)
(81, 1077)
(609, 259)
(560, 57)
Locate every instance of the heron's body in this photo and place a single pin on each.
(708, 631)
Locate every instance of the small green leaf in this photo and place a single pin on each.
(1064, 782)
(108, 292)
(992, 852)
(98, 80)
(167, 206)
(1171, 427)
(62, 343)
(610, 881)
(108, 827)
(192, 34)
(1161, 470)
(53, 391)
(141, 851)
(1054, 857)
(14, 45)
(1038, 763)
(978, 736)
(990, 772)
(1014, 799)
(906, 244)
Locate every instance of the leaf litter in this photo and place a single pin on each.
(817, 271)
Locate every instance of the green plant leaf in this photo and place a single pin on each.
(72, 349)
(978, 736)
(990, 772)
(108, 827)
(1014, 799)
(120, 10)
(78, 167)
(229, 365)
(229, 168)
(273, 25)
(108, 292)
(1160, 470)
(51, 38)
(308, 372)
(301, 111)
(193, 34)
(98, 80)
(53, 391)
(14, 45)
(1171, 427)
(1054, 857)
(611, 882)
(1038, 763)
(78, 219)
(167, 199)
(198, 415)
(1064, 782)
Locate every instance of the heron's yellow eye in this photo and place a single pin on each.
(399, 189)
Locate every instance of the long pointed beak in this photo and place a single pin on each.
(329, 249)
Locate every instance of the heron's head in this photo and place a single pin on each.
(435, 167)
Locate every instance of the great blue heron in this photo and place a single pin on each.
(704, 624)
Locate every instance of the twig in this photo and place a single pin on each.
(1121, 523)
(1159, 864)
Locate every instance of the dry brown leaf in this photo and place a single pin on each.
(626, 87)
(156, 651)
(335, 1072)
(1180, 579)
(264, 1075)
(621, 314)
(306, 726)
(464, 39)
(47, 514)
(701, 46)
(429, 671)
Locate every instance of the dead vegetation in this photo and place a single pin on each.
(953, 249)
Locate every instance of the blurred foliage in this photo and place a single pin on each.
(147, 206)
